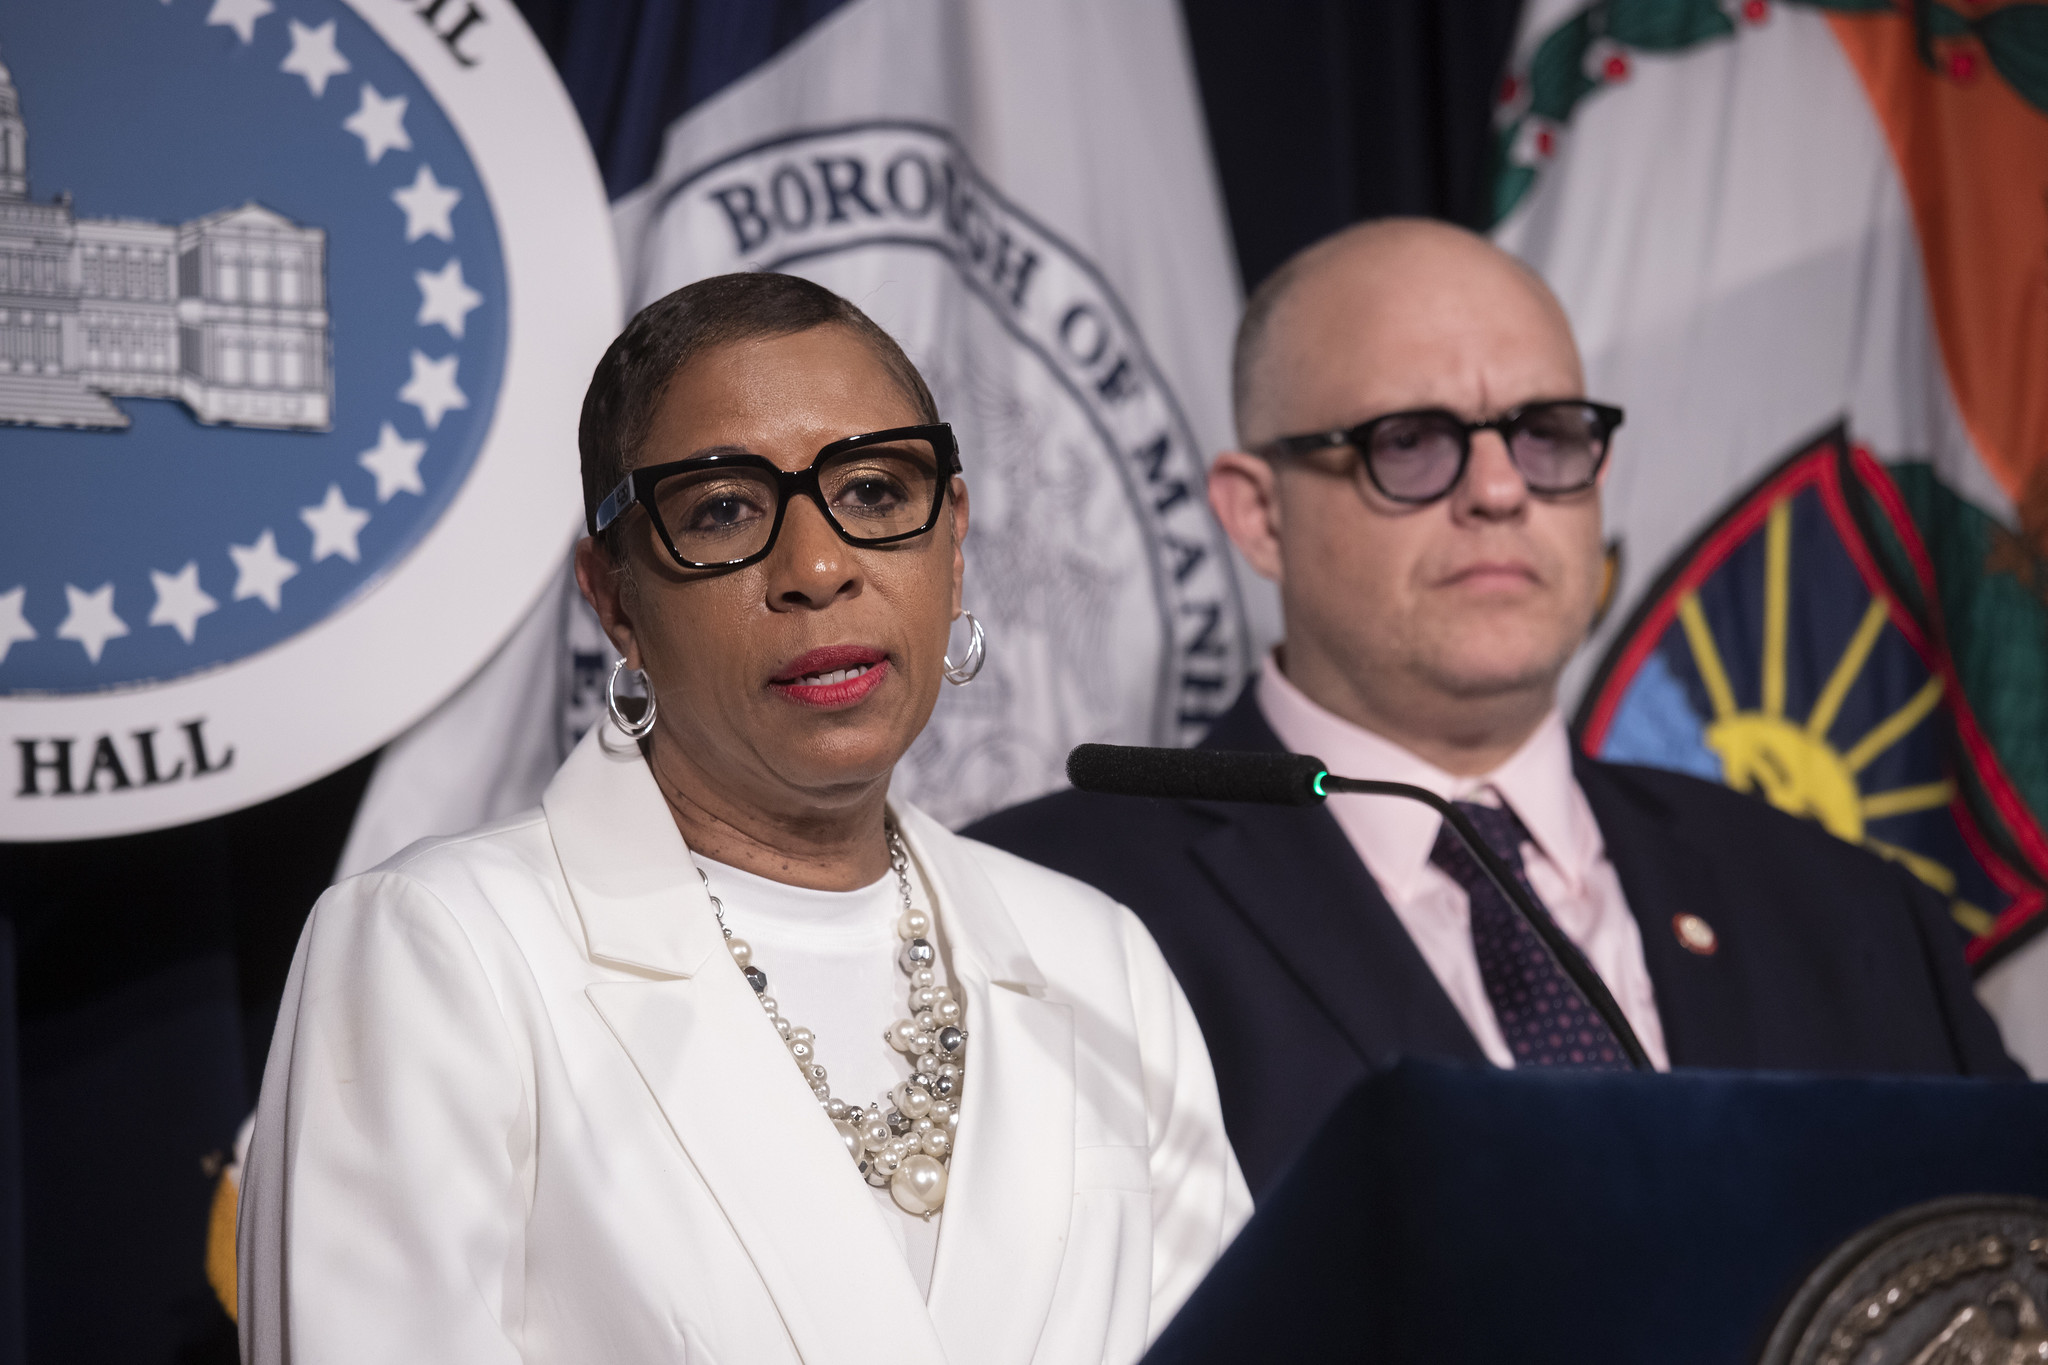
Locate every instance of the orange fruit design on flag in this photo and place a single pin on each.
(1973, 153)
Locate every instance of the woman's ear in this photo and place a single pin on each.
(606, 587)
(959, 508)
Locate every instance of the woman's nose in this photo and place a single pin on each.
(811, 566)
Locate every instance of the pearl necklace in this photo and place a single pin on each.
(905, 1139)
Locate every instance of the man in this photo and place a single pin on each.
(1431, 515)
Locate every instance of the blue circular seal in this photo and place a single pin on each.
(252, 323)
(297, 299)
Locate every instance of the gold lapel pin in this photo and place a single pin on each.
(1695, 935)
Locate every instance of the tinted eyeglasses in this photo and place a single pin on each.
(725, 511)
(1557, 446)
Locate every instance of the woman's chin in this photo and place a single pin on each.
(837, 757)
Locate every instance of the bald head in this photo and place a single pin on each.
(1441, 624)
(1413, 293)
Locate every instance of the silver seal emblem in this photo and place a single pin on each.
(1960, 1281)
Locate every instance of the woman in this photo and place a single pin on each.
(720, 1054)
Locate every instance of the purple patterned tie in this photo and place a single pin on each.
(1544, 1018)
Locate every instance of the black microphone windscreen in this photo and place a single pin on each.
(1195, 774)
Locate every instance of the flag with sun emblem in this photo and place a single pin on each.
(1794, 652)
(1765, 217)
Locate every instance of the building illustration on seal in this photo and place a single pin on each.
(227, 313)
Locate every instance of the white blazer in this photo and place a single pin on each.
(521, 1106)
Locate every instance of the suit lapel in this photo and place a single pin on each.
(1297, 882)
(721, 1077)
(1009, 1195)
(773, 1162)
(1703, 1002)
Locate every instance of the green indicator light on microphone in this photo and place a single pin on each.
(1319, 782)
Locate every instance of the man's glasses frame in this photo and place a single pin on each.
(640, 485)
(1508, 425)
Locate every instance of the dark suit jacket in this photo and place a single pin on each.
(1829, 958)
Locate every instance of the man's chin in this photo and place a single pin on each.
(1497, 676)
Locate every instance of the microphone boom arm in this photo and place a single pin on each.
(1285, 779)
(1561, 948)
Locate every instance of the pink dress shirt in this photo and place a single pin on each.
(1566, 857)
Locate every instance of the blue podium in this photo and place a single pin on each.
(1452, 1215)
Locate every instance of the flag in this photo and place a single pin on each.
(1772, 219)
(1021, 193)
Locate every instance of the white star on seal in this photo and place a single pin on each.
(445, 298)
(180, 601)
(260, 571)
(396, 463)
(14, 627)
(313, 56)
(92, 621)
(241, 16)
(427, 203)
(432, 389)
(335, 525)
(380, 123)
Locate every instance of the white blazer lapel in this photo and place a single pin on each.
(1009, 1193)
(722, 1078)
(775, 1165)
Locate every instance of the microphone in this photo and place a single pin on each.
(1283, 779)
(1195, 774)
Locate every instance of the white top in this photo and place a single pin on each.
(830, 958)
(522, 1107)
(1566, 858)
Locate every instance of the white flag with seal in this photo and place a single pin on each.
(1021, 193)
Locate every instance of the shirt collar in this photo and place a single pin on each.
(1394, 836)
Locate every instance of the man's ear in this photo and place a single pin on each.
(604, 586)
(1244, 494)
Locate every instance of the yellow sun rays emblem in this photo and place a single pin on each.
(1794, 763)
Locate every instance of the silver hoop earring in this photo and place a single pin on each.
(634, 728)
(977, 654)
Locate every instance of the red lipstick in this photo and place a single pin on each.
(835, 676)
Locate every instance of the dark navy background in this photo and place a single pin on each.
(162, 116)
(139, 977)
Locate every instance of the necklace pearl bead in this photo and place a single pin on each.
(919, 1184)
(906, 1148)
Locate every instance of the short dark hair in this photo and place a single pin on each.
(675, 329)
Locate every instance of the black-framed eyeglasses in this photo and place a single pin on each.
(724, 511)
(1557, 445)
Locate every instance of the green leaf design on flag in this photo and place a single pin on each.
(1557, 73)
(2016, 40)
(1993, 608)
(1666, 25)
(1943, 22)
